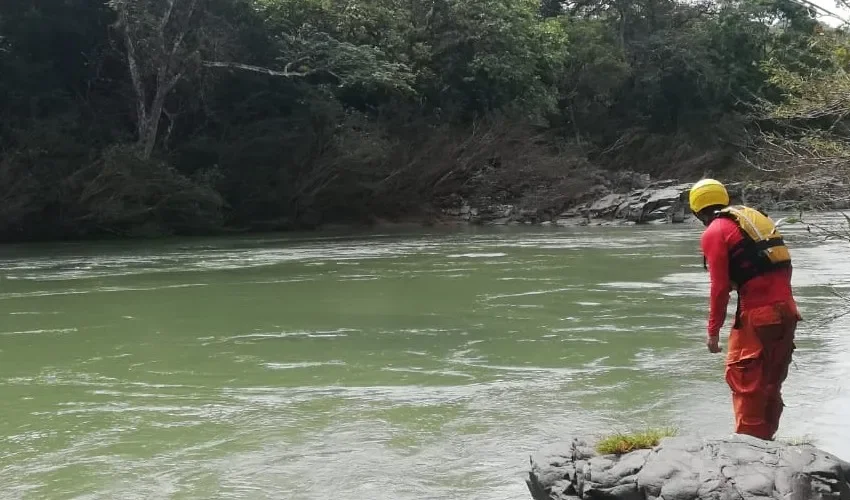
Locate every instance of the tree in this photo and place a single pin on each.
(169, 40)
(159, 55)
(806, 132)
(486, 55)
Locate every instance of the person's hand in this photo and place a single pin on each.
(713, 344)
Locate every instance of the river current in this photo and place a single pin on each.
(389, 365)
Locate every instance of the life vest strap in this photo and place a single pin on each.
(771, 243)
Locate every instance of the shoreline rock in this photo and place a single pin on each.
(657, 202)
(665, 200)
(631, 198)
(739, 467)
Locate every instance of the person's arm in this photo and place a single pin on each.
(714, 248)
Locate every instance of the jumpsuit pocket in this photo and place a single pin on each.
(765, 316)
(769, 325)
(744, 345)
(745, 376)
(746, 359)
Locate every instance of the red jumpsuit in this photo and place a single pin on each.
(761, 341)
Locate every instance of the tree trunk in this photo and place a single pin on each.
(148, 138)
(623, 11)
(575, 125)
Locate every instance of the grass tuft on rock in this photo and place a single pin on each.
(620, 443)
(798, 440)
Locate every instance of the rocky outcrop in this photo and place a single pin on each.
(658, 201)
(629, 198)
(687, 468)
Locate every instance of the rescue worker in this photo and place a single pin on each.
(744, 251)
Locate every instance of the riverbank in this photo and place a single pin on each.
(642, 200)
(598, 198)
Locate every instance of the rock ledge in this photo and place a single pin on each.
(689, 468)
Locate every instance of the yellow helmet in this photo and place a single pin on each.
(706, 193)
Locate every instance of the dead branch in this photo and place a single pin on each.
(286, 73)
(255, 69)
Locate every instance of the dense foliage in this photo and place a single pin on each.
(180, 116)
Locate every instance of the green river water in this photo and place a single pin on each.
(391, 366)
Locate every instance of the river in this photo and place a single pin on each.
(424, 364)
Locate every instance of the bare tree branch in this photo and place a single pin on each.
(286, 73)
(178, 41)
(166, 17)
(133, 65)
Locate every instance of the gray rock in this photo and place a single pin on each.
(574, 212)
(606, 205)
(678, 213)
(687, 468)
(663, 200)
(567, 221)
(502, 210)
(499, 222)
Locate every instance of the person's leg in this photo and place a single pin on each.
(779, 347)
(745, 377)
(773, 412)
(760, 349)
(749, 399)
